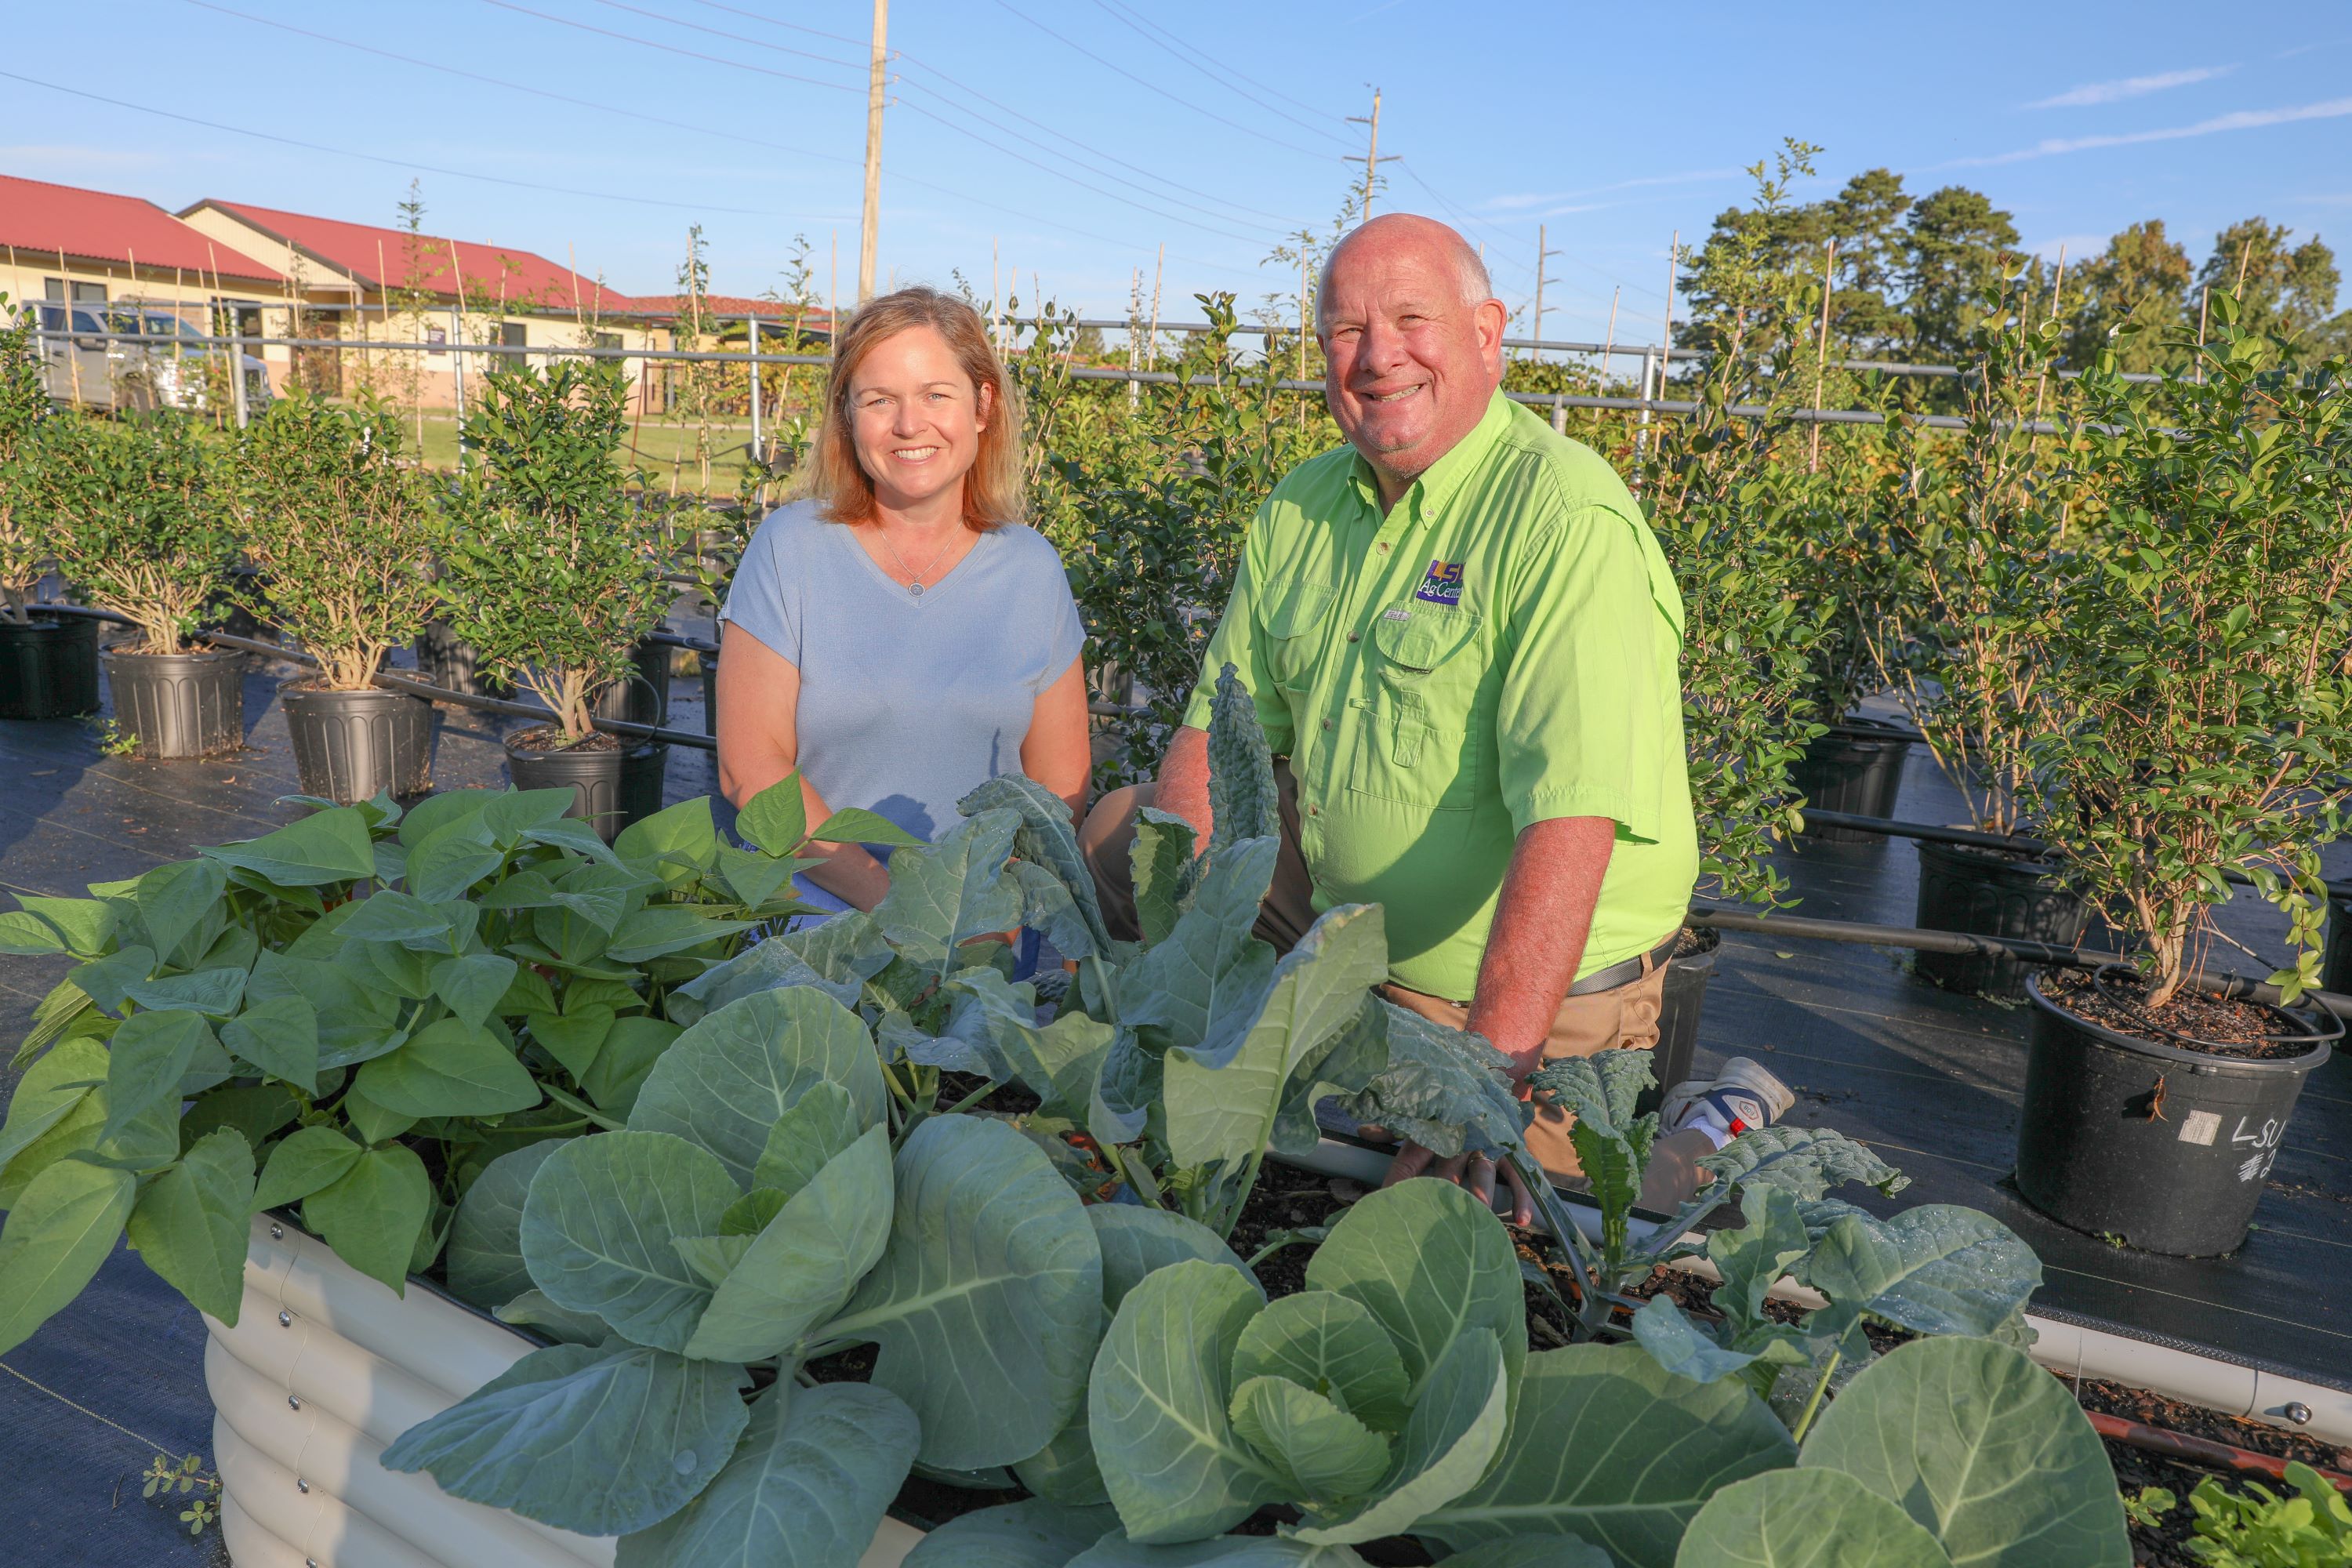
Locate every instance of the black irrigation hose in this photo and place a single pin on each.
(1714, 916)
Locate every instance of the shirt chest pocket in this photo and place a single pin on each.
(1416, 737)
(1293, 646)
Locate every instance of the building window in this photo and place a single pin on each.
(608, 340)
(512, 335)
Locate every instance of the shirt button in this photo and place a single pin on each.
(1314, 810)
(1382, 547)
(1326, 723)
(1355, 637)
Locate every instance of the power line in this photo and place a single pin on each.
(402, 163)
(733, 38)
(669, 48)
(1154, 87)
(778, 22)
(1492, 226)
(1113, 196)
(1243, 76)
(1186, 55)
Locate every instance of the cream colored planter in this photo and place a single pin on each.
(323, 1370)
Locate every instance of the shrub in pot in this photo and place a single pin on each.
(138, 526)
(550, 572)
(344, 536)
(48, 663)
(1987, 527)
(2201, 672)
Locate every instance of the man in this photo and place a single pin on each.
(1462, 634)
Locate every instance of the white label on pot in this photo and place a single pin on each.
(2200, 1127)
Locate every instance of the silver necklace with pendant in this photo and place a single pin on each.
(915, 583)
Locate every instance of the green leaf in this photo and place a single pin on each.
(1046, 907)
(725, 1081)
(822, 1123)
(1116, 1550)
(374, 1123)
(355, 1022)
(254, 1110)
(1222, 1097)
(280, 1037)
(661, 929)
(1159, 1407)
(107, 980)
(1681, 1347)
(148, 1056)
(1047, 840)
(855, 825)
(943, 893)
(57, 1087)
(81, 927)
(987, 1304)
(1332, 1344)
(324, 847)
(806, 1488)
(778, 963)
(191, 1222)
(212, 991)
(673, 839)
(1446, 1089)
(1985, 1450)
(485, 1259)
(748, 1216)
(1210, 964)
(1136, 1241)
(401, 919)
(597, 1224)
(173, 899)
(1805, 1162)
(776, 819)
(1431, 1263)
(1320, 1450)
(449, 1069)
(1060, 1063)
(1160, 857)
(1446, 1446)
(532, 1310)
(304, 1161)
(804, 1265)
(1938, 1268)
(1807, 1519)
(1242, 803)
(602, 1441)
(753, 876)
(1030, 1533)
(443, 812)
(1533, 1552)
(1607, 1446)
(628, 1059)
(472, 985)
(373, 1212)
(574, 1038)
(58, 1233)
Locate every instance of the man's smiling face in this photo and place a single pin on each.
(1413, 355)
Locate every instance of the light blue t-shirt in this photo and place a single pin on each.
(908, 703)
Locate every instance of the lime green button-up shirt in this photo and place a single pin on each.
(1502, 649)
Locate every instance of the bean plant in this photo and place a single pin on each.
(344, 532)
(2198, 683)
(551, 571)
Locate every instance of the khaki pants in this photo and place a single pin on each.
(1625, 1015)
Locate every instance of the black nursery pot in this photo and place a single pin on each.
(49, 668)
(2336, 965)
(2163, 1148)
(643, 695)
(178, 705)
(1986, 892)
(644, 773)
(592, 773)
(1678, 1007)
(350, 746)
(1857, 774)
(444, 661)
(710, 692)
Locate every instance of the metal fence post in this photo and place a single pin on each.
(758, 453)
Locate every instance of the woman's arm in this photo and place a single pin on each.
(759, 743)
(1058, 751)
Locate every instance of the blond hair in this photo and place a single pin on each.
(991, 490)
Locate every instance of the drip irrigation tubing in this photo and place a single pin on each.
(2203, 1451)
(1705, 916)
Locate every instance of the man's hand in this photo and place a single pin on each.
(1475, 1172)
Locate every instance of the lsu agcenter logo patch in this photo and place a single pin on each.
(1442, 584)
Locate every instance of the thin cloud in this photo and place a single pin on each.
(2092, 93)
(2242, 119)
(1523, 200)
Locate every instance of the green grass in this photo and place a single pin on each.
(665, 448)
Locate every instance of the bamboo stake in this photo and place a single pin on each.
(1134, 300)
(73, 350)
(1822, 353)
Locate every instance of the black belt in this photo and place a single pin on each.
(1630, 970)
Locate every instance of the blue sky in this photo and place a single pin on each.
(1212, 127)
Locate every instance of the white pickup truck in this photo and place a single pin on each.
(86, 366)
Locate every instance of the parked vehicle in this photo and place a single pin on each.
(94, 369)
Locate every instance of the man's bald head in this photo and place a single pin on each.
(1390, 235)
(1412, 343)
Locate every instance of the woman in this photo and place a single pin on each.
(896, 634)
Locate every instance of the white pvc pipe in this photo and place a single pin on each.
(2290, 1404)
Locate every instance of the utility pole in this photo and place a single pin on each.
(1543, 255)
(873, 151)
(1373, 159)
